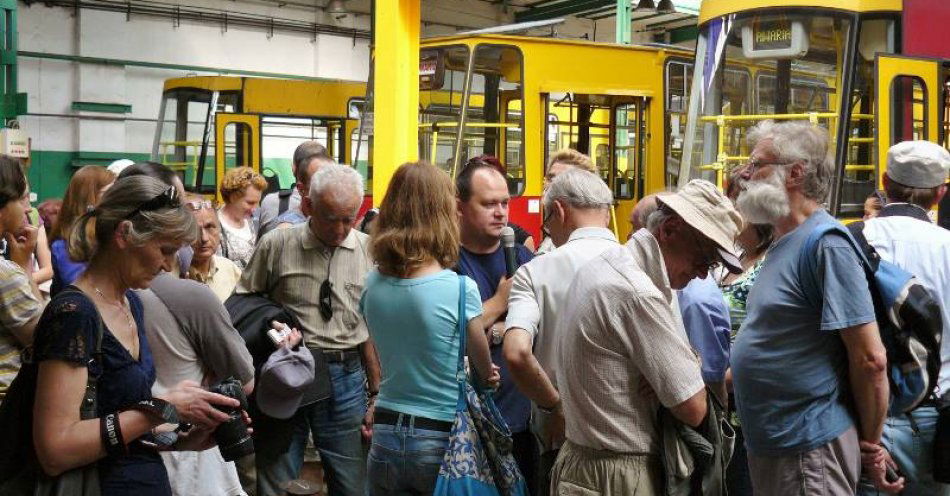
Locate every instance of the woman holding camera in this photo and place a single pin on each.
(411, 306)
(138, 228)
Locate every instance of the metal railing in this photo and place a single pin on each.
(723, 122)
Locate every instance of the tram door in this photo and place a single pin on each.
(238, 144)
(909, 90)
(613, 131)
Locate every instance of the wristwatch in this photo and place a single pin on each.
(548, 410)
(497, 333)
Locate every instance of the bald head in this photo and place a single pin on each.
(640, 213)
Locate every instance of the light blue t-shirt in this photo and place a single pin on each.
(789, 364)
(414, 325)
(706, 319)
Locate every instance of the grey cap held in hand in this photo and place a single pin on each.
(284, 378)
(918, 164)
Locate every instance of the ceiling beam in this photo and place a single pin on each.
(571, 7)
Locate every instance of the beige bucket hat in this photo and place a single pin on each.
(706, 209)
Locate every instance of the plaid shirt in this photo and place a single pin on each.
(18, 305)
(620, 328)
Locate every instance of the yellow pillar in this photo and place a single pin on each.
(396, 92)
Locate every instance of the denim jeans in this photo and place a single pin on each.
(335, 425)
(913, 453)
(404, 460)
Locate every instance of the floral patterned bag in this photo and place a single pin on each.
(478, 459)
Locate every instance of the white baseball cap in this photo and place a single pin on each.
(918, 164)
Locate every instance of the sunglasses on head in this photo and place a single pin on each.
(166, 199)
(197, 205)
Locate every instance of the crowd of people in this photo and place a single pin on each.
(601, 353)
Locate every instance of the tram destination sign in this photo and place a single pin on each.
(774, 37)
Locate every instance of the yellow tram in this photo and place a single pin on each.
(844, 65)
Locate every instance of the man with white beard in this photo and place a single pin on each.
(808, 364)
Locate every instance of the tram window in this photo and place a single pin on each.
(909, 109)
(440, 107)
(629, 147)
(280, 136)
(583, 123)
(678, 78)
(237, 145)
(185, 122)
(790, 86)
(807, 94)
(494, 124)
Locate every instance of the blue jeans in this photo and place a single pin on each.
(335, 424)
(404, 460)
(913, 453)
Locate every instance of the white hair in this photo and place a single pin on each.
(799, 141)
(338, 180)
(578, 188)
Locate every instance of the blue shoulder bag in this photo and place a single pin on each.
(478, 459)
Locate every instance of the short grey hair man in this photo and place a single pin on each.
(578, 190)
(316, 269)
(338, 181)
(577, 211)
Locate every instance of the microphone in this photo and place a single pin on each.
(508, 245)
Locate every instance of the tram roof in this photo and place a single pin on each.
(711, 9)
(523, 41)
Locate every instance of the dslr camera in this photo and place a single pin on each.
(232, 436)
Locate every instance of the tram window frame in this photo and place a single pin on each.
(899, 124)
(426, 115)
(516, 186)
(853, 187)
(671, 171)
(796, 86)
(944, 128)
(243, 158)
(640, 107)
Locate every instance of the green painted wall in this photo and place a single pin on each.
(50, 170)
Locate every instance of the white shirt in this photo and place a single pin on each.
(923, 249)
(540, 288)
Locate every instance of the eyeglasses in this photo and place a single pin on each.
(166, 199)
(710, 257)
(753, 165)
(197, 205)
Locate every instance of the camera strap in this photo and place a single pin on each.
(157, 408)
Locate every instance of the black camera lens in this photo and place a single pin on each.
(231, 436)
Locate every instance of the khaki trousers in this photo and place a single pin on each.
(829, 470)
(581, 471)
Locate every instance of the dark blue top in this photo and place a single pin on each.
(67, 331)
(706, 319)
(486, 271)
(65, 271)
